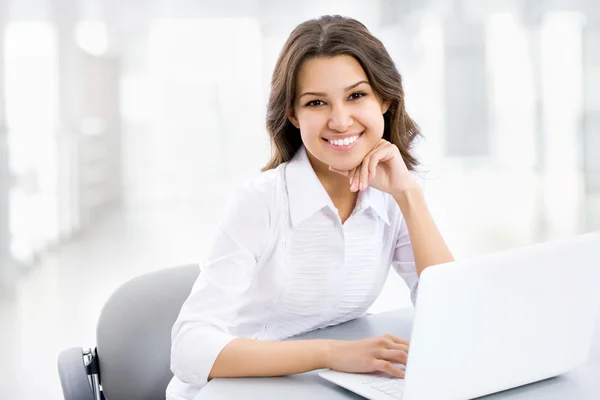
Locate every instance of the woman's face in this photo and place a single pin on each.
(339, 116)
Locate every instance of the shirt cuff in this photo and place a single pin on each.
(194, 353)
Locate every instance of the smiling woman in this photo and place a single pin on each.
(366, 69)
(340, 118)
(309, 243)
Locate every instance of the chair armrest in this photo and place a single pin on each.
(73, 375)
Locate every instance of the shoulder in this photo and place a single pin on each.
(261, 193)
(251, 210)
(265, 185)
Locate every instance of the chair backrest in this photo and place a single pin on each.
(134, 333)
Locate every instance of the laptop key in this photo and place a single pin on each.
(393, 387)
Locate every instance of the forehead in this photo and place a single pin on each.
(329, 73)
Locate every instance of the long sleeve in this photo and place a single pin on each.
(403, 261)
(201, 330)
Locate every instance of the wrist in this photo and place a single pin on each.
(328, 354)
(409, 196)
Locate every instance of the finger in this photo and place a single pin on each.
(403, 347)
(364, 173)
(373, 162)
(395, 356)
(396, 339)
(397, 346)
(338, 171)
(387, 342)
(356, 179)
(383, 143)
(351, 177)
(389, 368)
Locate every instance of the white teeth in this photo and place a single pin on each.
(343, 142)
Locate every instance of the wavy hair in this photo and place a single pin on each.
(330, 36)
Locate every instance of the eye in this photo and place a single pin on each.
(357, 95)
(314, 103)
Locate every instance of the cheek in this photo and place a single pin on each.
(372, 119)
(311, 124)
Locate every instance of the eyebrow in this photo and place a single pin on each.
(325, 94)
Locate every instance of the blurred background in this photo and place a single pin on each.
(125, 124)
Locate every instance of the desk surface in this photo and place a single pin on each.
(582, 383)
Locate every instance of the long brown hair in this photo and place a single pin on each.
(329, 36)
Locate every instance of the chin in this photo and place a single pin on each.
(345, 165)
(341, 161)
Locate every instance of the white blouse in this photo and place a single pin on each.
(283, 264)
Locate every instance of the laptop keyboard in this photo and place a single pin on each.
(393, 387)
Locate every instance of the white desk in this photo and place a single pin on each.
(580, 384)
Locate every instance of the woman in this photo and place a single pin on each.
(309, 242)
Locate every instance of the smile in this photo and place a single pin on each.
(345, 143)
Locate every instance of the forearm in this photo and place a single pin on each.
(254, 358)
(428, 246)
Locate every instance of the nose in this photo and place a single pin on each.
(340, 119)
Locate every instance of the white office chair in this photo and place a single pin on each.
(133, 349)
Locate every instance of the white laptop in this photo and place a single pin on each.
(496, 322)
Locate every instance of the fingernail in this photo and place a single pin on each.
(351, 179)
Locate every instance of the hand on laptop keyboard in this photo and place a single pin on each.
(373, 385)
(385, 353)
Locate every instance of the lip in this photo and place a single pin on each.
(344, 136)
(343, 148)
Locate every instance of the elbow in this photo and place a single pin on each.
(180, 363)
(194, 352)
(187, 362)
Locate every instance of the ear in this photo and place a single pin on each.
(293, 119)
(385, 106)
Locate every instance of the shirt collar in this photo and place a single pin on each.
(374, 199)
(307, 195)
